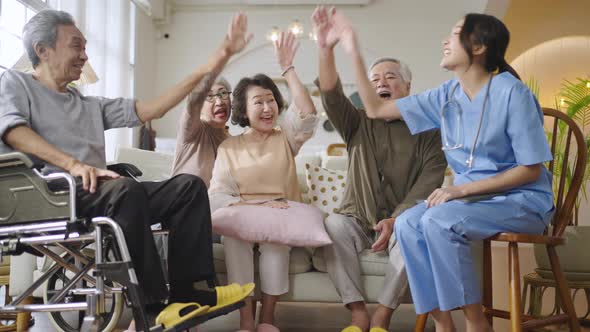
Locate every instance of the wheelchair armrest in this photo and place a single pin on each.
(14, 158)
(22, 185)
(125, 169)
(18, 158)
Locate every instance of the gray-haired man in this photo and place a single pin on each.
(388, 171)
(42, 115)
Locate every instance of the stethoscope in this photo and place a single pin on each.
(459, 128)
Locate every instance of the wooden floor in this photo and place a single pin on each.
(304, 317)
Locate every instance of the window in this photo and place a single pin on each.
(13, 16)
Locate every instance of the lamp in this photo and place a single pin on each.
(88, 75)
(296, 28)
(273, 34)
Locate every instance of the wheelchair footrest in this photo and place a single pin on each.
(74, 306)
(123, 273)
(202, 319)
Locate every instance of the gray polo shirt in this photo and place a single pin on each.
(73, 123)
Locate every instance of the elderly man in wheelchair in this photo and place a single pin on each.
(68, 199)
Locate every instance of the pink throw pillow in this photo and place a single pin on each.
(300, 225)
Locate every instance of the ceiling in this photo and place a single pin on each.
(266, 2)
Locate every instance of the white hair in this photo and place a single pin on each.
(404, 70)
(223, 82)
(42, 30)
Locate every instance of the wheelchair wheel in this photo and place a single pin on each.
(71, 321)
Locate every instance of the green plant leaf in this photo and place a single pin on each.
(576, 104)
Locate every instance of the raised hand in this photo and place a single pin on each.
(322, 27)
(237, 34)
(285, 48)
(341, 28)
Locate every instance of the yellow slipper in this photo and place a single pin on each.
(352, 328)
(230, 294)
(377, 329)
(177, 313)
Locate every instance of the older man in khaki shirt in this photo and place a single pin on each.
(389, 170)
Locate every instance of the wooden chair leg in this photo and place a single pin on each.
(487, 300)
(514, 281)
(563, 289)
(421, 322)
(23, 318)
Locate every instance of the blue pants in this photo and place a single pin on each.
(435, 245)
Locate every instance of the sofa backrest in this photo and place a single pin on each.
(155, 166)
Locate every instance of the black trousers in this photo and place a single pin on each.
(181, 204)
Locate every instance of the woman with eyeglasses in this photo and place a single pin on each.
(494, 141)
(202, 128)
(258, 168)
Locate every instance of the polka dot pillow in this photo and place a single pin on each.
(326, 187)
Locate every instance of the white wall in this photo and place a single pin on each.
(411, 30)
(145, 56)
(145, 60)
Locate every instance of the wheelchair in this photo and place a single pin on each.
(92, 277)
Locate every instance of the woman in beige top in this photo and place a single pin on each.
(202, 128)
(259, 165)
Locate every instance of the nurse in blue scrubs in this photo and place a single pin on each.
(493, 137)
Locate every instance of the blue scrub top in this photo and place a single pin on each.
(512, 134)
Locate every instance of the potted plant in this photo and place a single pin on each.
(575, 254)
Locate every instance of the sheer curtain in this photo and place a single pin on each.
(109, 27)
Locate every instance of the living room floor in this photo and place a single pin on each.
(308, 317)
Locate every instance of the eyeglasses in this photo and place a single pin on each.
(223, 95)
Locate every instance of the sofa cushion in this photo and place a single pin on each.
(337, 163)
(300, 161)
(326, 187)
(372, 263)
(300, 260)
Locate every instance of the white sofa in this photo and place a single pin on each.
(309, 281)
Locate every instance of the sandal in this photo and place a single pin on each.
(230, 294)
(177, 313)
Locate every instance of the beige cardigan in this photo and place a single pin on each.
(247, 169)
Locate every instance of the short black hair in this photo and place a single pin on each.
(240, 97)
